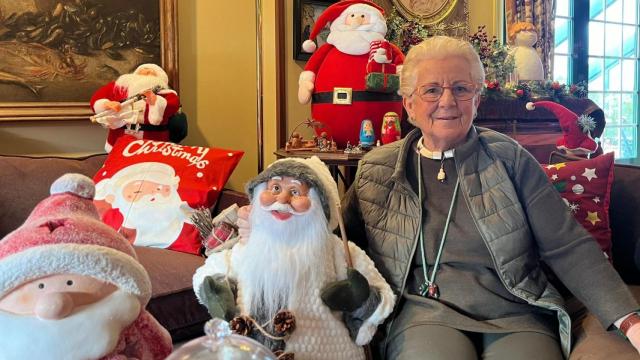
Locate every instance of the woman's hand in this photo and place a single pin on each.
(244, 227)
(633, 334)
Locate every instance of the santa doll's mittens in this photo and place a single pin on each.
(77, 184)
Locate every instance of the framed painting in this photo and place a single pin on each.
(441, 17)
(305, 14)
(54, 54)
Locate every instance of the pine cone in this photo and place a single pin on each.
(284, 323)
(281, 355)
(241, 325)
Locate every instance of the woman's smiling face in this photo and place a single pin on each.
(446, 121)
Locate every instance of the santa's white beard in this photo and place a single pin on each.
(355, 42)
(135, 84)
(283, 260)
(91, 332)
(158, 220)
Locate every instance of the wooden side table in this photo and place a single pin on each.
(332, 159)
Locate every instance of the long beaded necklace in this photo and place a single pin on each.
(429, 288)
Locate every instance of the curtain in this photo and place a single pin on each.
(541, 14)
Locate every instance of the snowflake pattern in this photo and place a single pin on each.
(574, 207)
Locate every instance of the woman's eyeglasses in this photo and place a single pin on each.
(460, 91)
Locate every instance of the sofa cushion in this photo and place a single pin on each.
(149, 189)
(173, 302)
(25, 181)
(585, 186)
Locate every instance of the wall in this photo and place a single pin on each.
(481, 12)
(218, 78)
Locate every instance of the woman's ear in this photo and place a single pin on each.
(407, 102)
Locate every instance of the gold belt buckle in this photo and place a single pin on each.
(342, 96)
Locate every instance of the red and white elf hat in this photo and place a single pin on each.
(64, 235)
(576, 130)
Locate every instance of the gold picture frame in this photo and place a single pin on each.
(427, 12)
(60, 86)
(441, 17)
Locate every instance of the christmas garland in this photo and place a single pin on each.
(530, 90)
(498, 64)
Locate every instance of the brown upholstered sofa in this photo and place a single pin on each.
(24, 181)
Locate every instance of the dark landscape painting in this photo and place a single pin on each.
(63, 50)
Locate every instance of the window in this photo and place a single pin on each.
(598, 43)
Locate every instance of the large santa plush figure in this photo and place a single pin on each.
(71, 287)
(291, 276)
(334, 78)
(147, 118)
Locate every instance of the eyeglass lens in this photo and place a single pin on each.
(462, 91)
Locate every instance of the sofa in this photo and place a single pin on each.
(25, 181)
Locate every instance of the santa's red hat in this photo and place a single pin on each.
(64, 235)
(334, 11)
(576, 130)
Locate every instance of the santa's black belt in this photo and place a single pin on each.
(327, 97)
(149, 127)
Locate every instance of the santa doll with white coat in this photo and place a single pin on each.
(336, 78)
(71, 287)
(291, 284)
(146, 117)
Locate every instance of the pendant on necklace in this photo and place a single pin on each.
(430, 290)
(441, 175)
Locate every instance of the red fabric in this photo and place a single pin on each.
(145, 339)
(114, 93)
(591, 197)
(334, 68)
(202, 174)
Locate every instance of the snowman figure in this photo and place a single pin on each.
(523, 37)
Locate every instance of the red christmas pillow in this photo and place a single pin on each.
(585, 186)
(148, 190)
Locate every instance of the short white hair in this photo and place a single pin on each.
(438, 47)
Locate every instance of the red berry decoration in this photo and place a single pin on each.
(519, 92)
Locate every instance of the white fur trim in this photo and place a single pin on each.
(365, 333)
(156, 111)
(99, 105)
(309, 46)
(77, 184)
(97, 261)
(530, 106)
(107, 147)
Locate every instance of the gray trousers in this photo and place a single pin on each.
(434, 342)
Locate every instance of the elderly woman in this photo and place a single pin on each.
(459, 219)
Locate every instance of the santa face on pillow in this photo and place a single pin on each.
(334, 79)
(145, 196)
(292, 273)
(71, 287)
